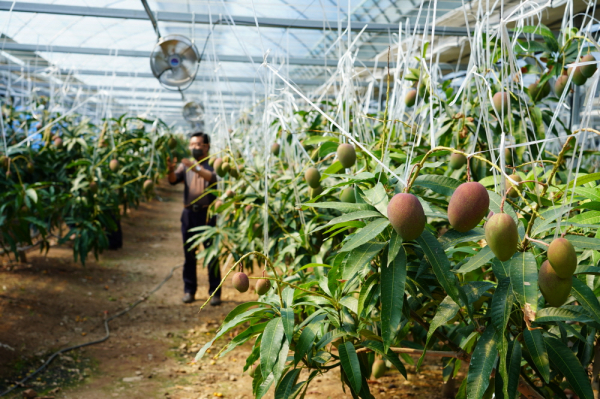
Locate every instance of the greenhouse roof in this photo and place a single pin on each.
(106, 44)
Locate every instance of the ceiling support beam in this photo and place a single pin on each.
(167, 16)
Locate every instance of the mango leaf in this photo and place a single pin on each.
(444, 313)
(360, 257)
(481, 258)
(584, 242)
(341, 206)
(534, 342)
(31, 193)
(377, 196)
(366, 292)
(394, 247)
(513, 367)
(320, 139)
(565, 361)
(549, 315)
(482, 364)
(327, 148)
(393, 279)
(350, 216)
(285, 388)
(453, 237)
(441, 266)
(271, 344)
(351, 365)
(523, 276)
(367, 233)
(588, 193)
(227, 326)
(583, 179)
(443, 185)
(390, 356)
(333, 168)
(591, 217)
(306, 341)
(287, 317)
(501, 269)
(546, 34)
(242, 337)
(502, 302)
(550, 216)
(586, 298)
(588, 270)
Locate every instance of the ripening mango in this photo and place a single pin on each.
(468, 206)
(562, 257)
(555, 290)
(406, 216)
(502, 236)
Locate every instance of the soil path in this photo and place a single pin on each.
(51, 303)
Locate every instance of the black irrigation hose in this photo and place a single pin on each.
(121, 313)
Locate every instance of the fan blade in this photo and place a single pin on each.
(190, 67)
(159, 64)
(168, 47)
(179, 75)
(189, 54)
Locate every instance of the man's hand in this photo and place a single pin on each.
(171, 165)
(187, 162)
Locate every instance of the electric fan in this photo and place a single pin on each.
(174, 60)
(193, 112)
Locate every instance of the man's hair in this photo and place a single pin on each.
(205, 137)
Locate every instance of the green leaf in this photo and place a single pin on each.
(333, 168)
(390, 356)
(377, 196)
(239, 309)
(341, 206)
(514, 368)
(546, 34)
(534, 342)
(366, 293)
(393, 279)
(549, 315)
(481, 258)
(230, 324)
(270, 345)
(359, 257)
(501, 269)
(31, 193)
(394, 247)
(591, 217)
(287, 317)
(350, 216)
(588, 270)
(242, 337)
(589, 193)
(502, 302)
(452, 237)
(444, 313)
(482, 363)
(550, 216)
(583, 179)
(285, 388)
(367, 233)
(523, 276)
(351, 365)
(306, 341)
(441, 266)
(327, 148)
(565, 361)
(584, 242)
(586, 298)
(320, 139)
(443, 185)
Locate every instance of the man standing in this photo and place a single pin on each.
(195, 213)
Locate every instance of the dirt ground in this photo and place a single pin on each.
(50, 303)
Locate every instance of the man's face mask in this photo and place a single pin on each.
(197, 153)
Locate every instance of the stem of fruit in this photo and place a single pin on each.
(538, 241)
(536, 206)
(233, 268)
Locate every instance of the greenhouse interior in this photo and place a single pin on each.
(381, 199)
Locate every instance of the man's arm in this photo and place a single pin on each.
(172, 176)
(204, 173)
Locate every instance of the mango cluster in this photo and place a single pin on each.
(555, 277)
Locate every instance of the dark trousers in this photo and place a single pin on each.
(189, 220)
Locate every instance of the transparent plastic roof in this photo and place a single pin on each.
(47, 32)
